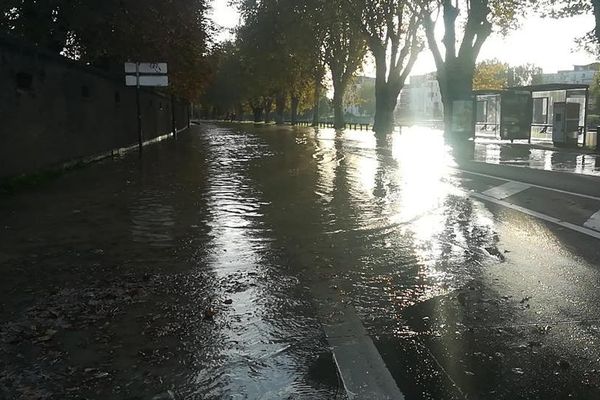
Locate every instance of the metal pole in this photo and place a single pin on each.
(585, 116)
(173, 116)
(530, 106)
(138, 107)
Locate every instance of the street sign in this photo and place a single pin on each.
(144, 74)
(146, 68)
(147, 80)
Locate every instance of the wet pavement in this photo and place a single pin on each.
(217, 266)
(523, 155)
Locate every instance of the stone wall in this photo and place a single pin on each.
(54, 111)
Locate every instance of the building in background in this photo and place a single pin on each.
(420, 100)
(581, 74)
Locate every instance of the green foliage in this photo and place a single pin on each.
(225, 90)
(593, 120)
(493, 74)
(363, 95)
(562, 8)
(392, 29)
(279, 49)
(505, 15)
(467, 26)
(568, 8)
(393, 32)
(595, 95)
(523, 75)
(344, 46)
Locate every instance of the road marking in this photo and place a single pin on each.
(508, 189)
(593, 222)
(531, 184)
(568, 225)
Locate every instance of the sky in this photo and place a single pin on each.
(548, 43)
(224, 16)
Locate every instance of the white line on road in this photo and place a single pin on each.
(530, 184)
(593, 222)
(568, 225)
(508, 189)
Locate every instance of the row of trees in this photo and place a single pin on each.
(106, 33)
(494, 74)
(284, 48)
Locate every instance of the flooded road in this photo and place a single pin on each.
(523, 155)
(207, 269)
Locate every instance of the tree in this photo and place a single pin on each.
(344, 52)
(523, 75)
(568, 8)
(456, 63)
(41, 22)
(595, 96)
(494, 74)
(279, 54)
(392, 32)
(362, 94)
(490, 74)
(109, 32)
(225, 93)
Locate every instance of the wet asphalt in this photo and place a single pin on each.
(214, 266)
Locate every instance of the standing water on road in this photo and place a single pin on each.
(191, 272)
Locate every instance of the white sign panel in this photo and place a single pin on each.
(147, 80)
(130, 80)
(146, 68)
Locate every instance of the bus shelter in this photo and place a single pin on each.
(559, 112)
(552, 112)
(504, 114)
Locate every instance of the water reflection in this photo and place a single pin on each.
(400, 228)
(245, 221)
(262, 350)
(549, 160)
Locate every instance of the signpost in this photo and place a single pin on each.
(147, 75)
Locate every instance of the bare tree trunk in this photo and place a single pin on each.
(457, 68)
(315, 121)
(257, 112)
(596, 4)
(338, 109)
(456, 84)
(386, 98)
(279, 108)
(267, 104)
(239, 112)
(385, 105)
(294, 109)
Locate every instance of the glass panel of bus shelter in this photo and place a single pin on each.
(542, 131)
(516, 115)
(578, 96)
(488, 114)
